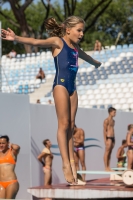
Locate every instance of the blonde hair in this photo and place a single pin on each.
(130, 126)
(59, 30)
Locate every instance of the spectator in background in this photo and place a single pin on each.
(121, 155)
(50, 101)
(12, 54)
(46, 158)
(38, 101)
(41, 74)
(9, 185)
(97, 46)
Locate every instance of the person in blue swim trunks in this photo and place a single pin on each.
(79, 150)
(63, 41)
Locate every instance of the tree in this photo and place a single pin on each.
(19, 9)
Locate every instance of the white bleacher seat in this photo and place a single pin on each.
(123, 85)
(118, 90)
(111, 59)
(116, 85)
(118, 59)
(14, 88)
(125, 106)
(102, 86)
(83, 97)
(118, 106)
(91, 96)
(79, 102)
(89, 92)
(107, 101)
(106, 64)
(109, 86)
(115, 101)
(105, 96)
(98, 96)
(122, 101)
(93, 102)
(44, 103)
(120, 95)
(104, 91)
(111, 90)
(113, 47)
(112, 96)
(130, 84)
(125, 90)
(130, 100)
(32, 90)
(127, 95)
(122, 55)
(37, 83)
(89, 69)
(96, 91)
(100, 102)
(85, 102)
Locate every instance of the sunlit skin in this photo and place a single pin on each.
(7, 170)
(65, 104)
(121, 155)
(4, 145)
(46, 160)
(130, 151)
(109, 144)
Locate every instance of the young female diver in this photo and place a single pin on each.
(65, 50)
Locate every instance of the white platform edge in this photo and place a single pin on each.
(79, 193)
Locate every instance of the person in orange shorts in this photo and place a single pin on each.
(9, 185)
(46, 158)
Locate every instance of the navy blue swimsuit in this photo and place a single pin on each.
(66, 64)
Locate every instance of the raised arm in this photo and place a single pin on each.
(15, 148)
(10, 36)
(88, 58)
(105, 126)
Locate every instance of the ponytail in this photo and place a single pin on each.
(53, 28)
(59, 30)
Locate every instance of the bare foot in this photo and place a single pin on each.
(109, 170)
(68, 174)
(74, 171)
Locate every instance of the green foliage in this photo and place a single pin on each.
(118, 17)
(8, 46)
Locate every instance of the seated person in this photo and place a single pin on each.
(38, 101)
(40, 74)
(121, 155)
(97, 46)
(12, 54)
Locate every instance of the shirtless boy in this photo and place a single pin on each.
(79, 151)
(109, 137)
(46, 158)
(121, 155)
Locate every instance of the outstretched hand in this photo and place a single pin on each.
(7, 34)
(98, 64)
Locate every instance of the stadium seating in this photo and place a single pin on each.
(111, 84)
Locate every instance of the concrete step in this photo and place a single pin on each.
(42, 91)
